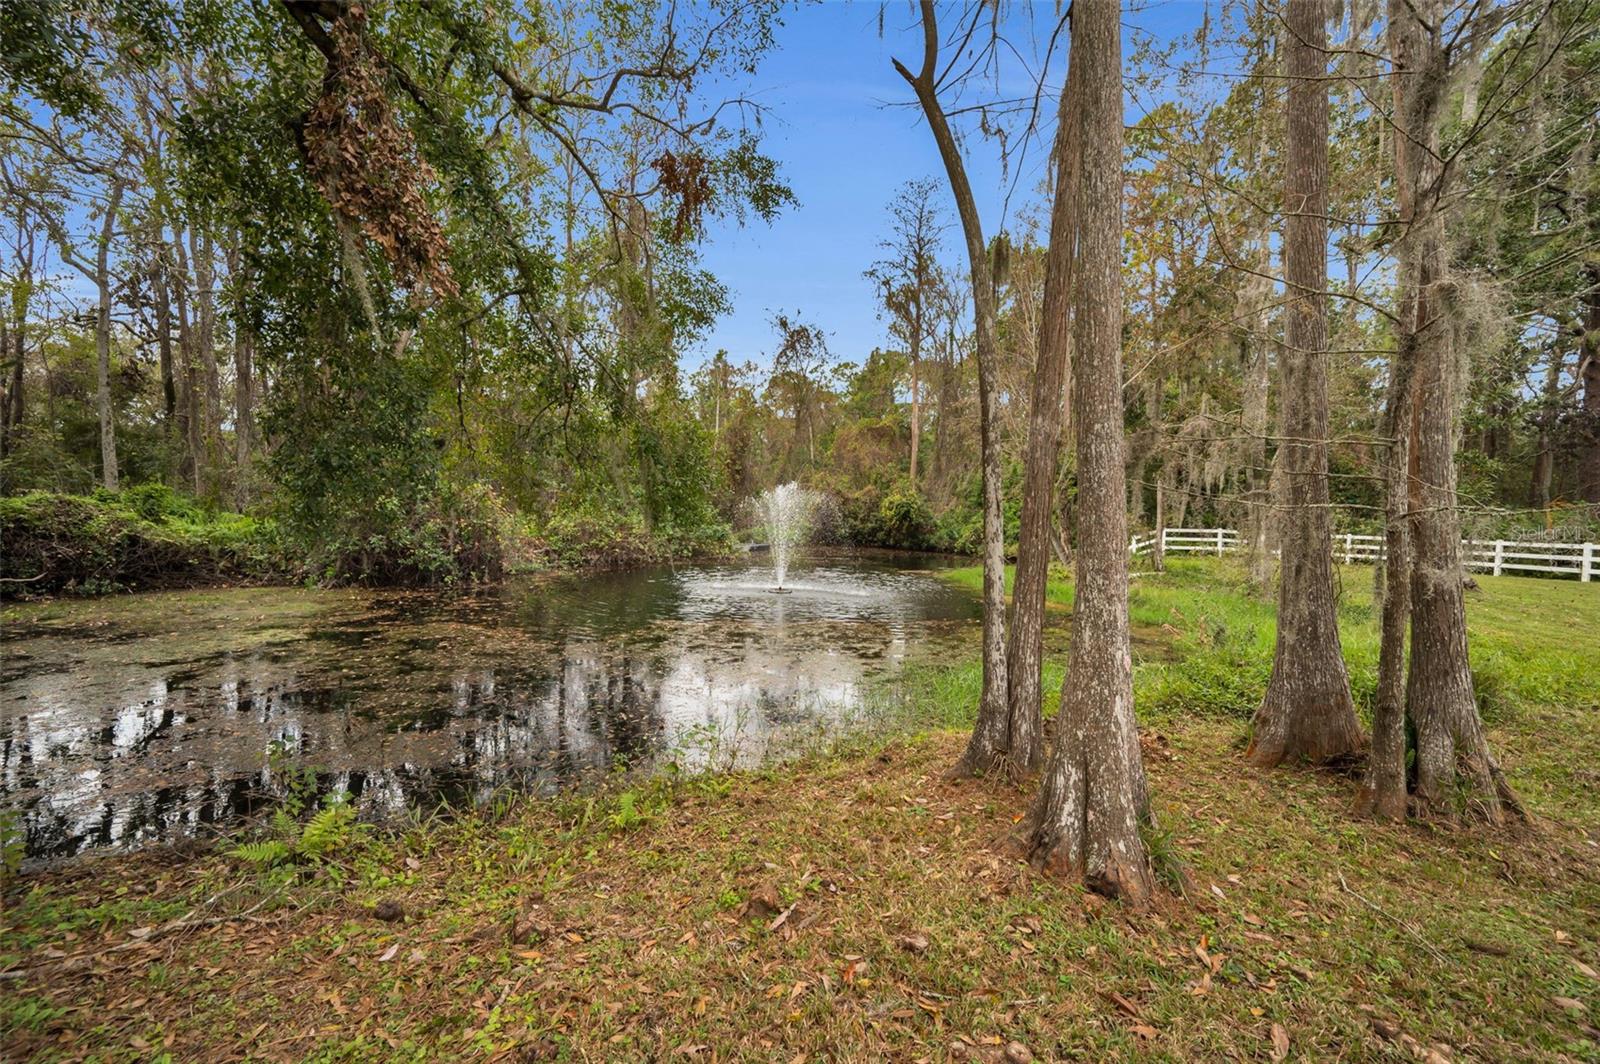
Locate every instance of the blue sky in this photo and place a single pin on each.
(839, 127)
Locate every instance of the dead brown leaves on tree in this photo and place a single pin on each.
(687, 179)
(365, 161)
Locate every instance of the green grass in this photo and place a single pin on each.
(1526, 637)
(1203, 645)
(779, 915)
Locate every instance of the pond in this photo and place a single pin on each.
(153, 717)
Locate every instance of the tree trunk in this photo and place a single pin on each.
(1539, 482)
(102, 340)
(11, 400)
(163, 309)
(1383, 793)
(1589, 375)
(988, 744)
(1026, 658)
(916, 418)
(189, 398)
(1093, 801)
(1451, 744)
(1185, 495)
(1158, 547)
(13, 342)
(205, 274)
(946, 419)
(1307, 712)
(14, 336)
(1257, 370)
(243, 385)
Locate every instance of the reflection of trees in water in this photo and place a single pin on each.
(134, 755)
(78, 767)
(56, 826)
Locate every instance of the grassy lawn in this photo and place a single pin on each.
(857, 905)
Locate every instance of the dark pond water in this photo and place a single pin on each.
(152, 717)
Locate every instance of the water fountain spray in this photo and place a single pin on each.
(787, 510)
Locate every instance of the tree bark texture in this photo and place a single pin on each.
(1255, 345)
(102, 340)
(1383, 792)
(1589, 376)
(1307, 713)
(1026, 657)
(1451, 744)
(1542, 477)
(243, 384)
(163, 313)
(1093, 801)
(1158, 548)
(14, 337)
(205, 274)
(189, 395)
(987, 747)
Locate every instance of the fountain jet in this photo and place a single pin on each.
(787, 510)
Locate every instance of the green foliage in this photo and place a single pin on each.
(156, 502)
(1203, 643)
(327, 835)
(590, 535)
(898, 517)
(329, 831)
(105, 542)
(263, 853)
(628, 814)
(13, 845)
(905, 519)
(20, 1013)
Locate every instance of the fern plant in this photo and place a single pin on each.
(628, 814)
(329, 831)
(263, 853)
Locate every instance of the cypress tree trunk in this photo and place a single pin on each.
(1451, 744)
(14, 345)
(1026, 658)
(989, 744)
(1383, 793)
(12, 405)
(1089, 810)
(1308, 712)
(914, 353)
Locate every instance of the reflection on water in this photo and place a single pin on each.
(151, 717)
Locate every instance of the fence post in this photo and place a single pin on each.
(1499, 555)
(1588, 562)
(1349, 542)
(1219, 542)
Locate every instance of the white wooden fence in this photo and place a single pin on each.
(1499, 557)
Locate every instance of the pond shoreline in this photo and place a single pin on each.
(14, 590)
(126, 720)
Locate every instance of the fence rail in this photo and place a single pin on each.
(1499, 557)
